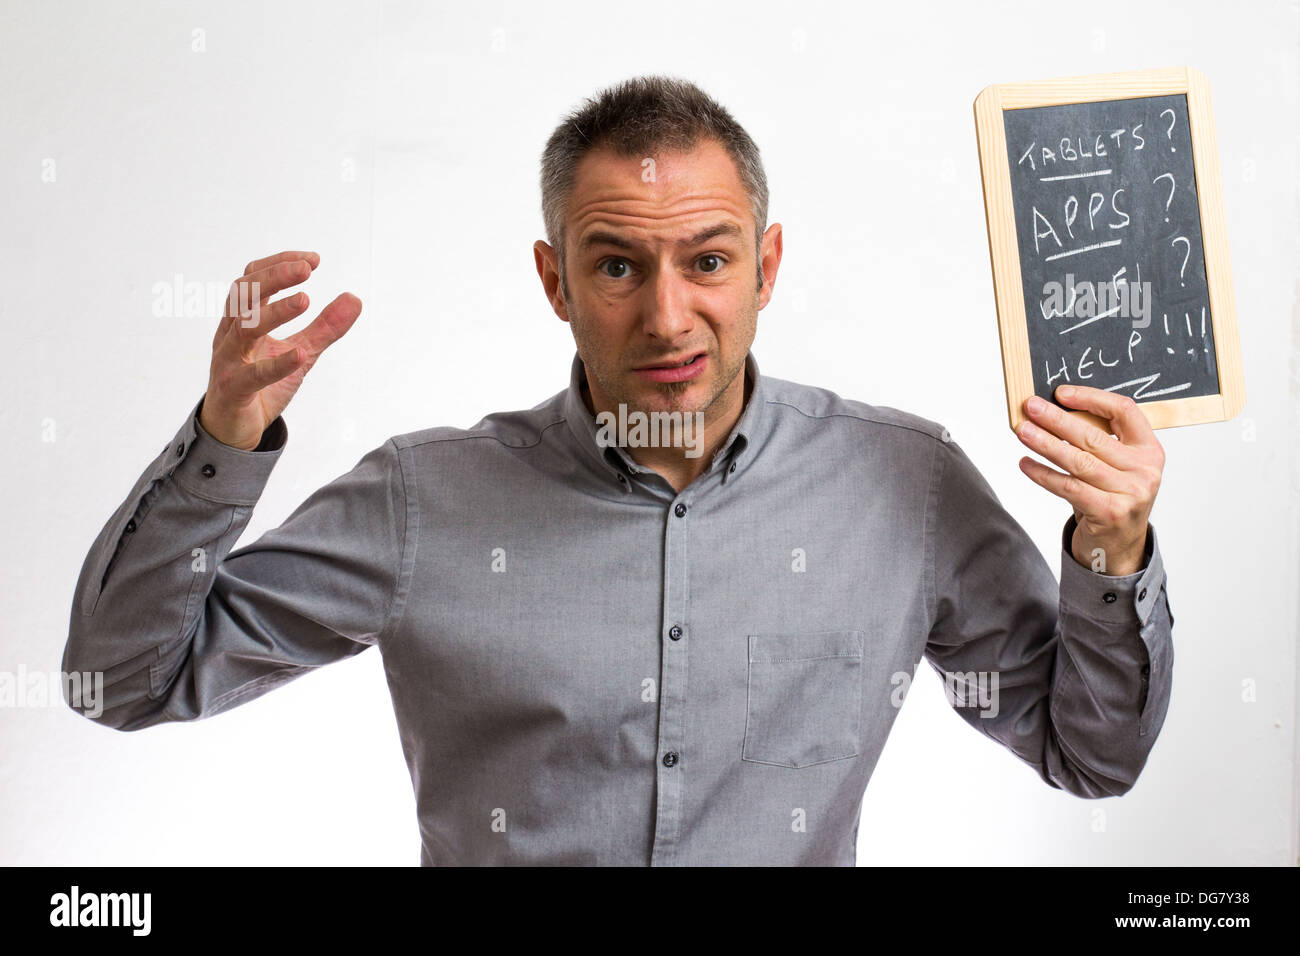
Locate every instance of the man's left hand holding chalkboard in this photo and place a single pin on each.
(1112, 479)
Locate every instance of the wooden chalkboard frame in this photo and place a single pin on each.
(1004, 253)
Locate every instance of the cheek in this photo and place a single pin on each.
(600, 307)
(733, 311)
(596, 336)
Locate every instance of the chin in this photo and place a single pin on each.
(687, 397)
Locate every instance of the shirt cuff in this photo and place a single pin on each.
(1118, 598)
(215, 471)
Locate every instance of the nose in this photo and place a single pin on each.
(667, 312)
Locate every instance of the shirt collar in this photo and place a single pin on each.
(729, 461)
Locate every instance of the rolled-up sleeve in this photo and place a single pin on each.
(1075, 678)
(177, 626)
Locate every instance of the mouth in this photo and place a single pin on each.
(682, 369)
(671, 364)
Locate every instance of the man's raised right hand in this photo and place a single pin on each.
(254, 376)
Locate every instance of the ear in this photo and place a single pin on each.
(548, 271)
(771, 262)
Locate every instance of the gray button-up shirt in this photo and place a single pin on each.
(589, 667)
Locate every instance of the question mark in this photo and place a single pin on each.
(1170, 132)
(1172, 187)
(1186, 256)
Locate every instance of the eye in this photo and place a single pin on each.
(620, 264)
(717, 260)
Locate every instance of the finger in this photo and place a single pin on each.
(334, 320)
(1126, 418)
(251, 379)
(1079, 433)
(1079, 462)
(265, 318)
(1083, 497)
(250, 293)
(257, 265)
(264, 283)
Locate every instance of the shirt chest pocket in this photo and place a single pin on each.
(804, 702)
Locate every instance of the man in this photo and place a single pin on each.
(606, 651)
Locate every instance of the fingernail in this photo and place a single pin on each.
(1036, 404)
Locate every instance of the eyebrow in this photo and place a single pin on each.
(602, 237)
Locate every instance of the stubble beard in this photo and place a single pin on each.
(672, 391)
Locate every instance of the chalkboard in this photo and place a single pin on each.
(1113, 268)
(1111, 257)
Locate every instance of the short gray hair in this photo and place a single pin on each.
(639, 117)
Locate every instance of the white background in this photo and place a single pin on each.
(401, 141)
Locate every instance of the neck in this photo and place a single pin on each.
(680, 464)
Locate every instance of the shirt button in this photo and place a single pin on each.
(1109, 597)
(622, 480)
(130, 526)
(670, 758)
(208, 471)
(180, 449)
(679, 510)
(1142, 594)
(675, 633)
(733, 467)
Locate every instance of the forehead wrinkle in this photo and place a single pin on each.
(639, 216)
(651, 208)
